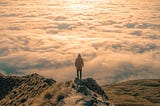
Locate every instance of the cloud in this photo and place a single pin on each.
(130, 25)
(9, 69)
(9, 15)
(117, 67)
(142, 25)
(52, 31)
(154, 36)
(63, 26)
(115, 43)
(108, 22)
(13, 28)
(60, 18)
(3, 3)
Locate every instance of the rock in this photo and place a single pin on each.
(18, 89)
(49, 81)
(23, 100)
(92, 85)
(7, 84)
(78, 81)
(93, 91)
(84, 90)
(88, 103)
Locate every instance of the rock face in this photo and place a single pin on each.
(92, 85)
(15, 90)
(96, 95)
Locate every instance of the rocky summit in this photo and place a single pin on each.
(35, 90)
(94, 93)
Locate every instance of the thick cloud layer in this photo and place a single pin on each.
(119, 40)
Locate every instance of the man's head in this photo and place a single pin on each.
(79, 55)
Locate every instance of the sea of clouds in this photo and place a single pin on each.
(119, 40)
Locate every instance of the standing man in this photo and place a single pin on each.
(79, 64)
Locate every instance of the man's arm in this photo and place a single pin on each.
(82, 63)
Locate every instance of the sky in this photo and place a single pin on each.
(119, 39)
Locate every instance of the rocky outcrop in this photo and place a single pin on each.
(92, 85)
(15, 90)
(96, 95)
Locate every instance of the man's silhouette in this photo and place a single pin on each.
(79, 64)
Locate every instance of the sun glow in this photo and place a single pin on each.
(79, 6)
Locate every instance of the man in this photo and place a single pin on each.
(79, 64)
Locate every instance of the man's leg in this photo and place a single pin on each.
(80, 74)
(77, 74)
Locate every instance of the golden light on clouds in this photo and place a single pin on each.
(119, 40)
(78, 7)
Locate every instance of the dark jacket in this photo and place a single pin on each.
(79, 63)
